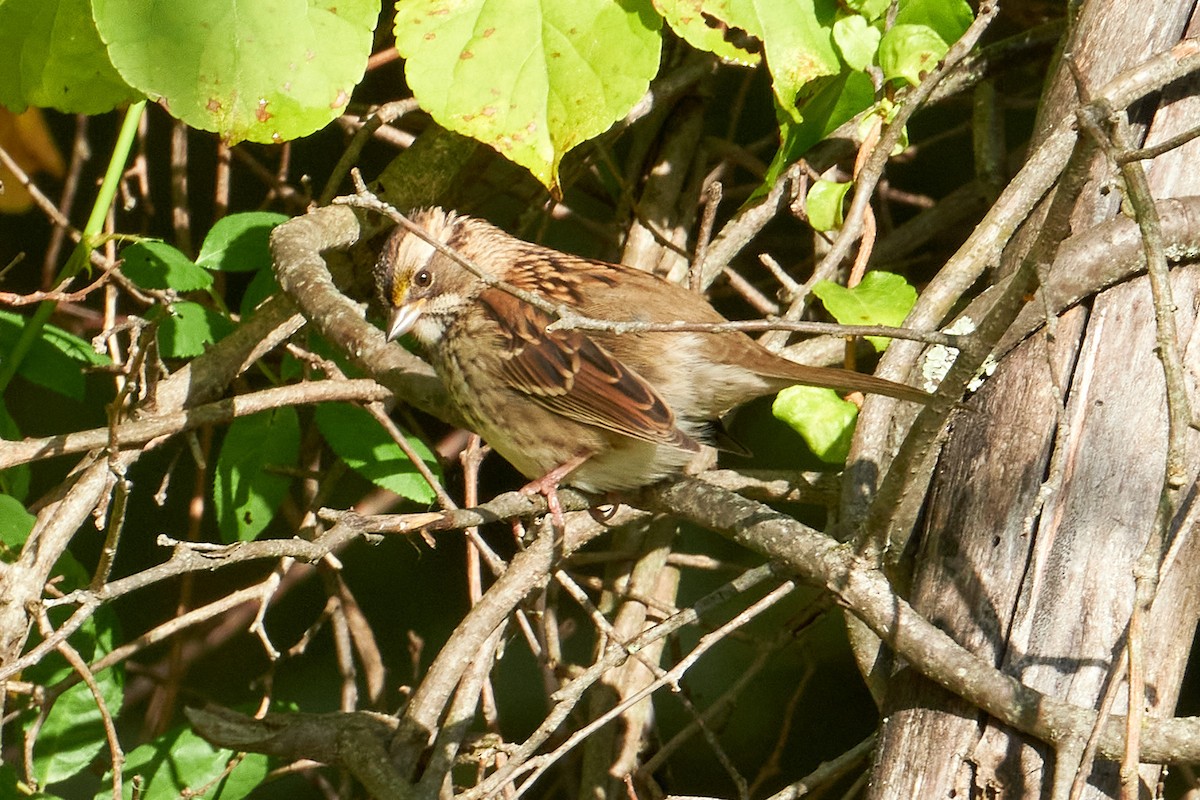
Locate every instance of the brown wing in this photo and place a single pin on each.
(568, 373)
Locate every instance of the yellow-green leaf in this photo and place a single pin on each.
(530, 78)
(824, 204)
(825, 420)
(266, 71)
(882, 298)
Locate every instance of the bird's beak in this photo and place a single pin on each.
(403, 318)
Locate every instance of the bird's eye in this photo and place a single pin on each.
(423, 279)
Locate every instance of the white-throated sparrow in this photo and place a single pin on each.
(597, 410)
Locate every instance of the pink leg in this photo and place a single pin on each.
(547, 486)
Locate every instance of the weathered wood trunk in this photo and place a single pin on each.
(1045, 498)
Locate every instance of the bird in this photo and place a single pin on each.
(598, 410)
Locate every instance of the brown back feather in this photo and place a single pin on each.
(569, 374)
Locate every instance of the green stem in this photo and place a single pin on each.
(79, 256)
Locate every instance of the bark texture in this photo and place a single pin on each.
(1045, 498)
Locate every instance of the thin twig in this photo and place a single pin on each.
(705, 720)
(567, 698)
(872, 168)
(56, 295)
(712, 199)
(1154, 151)
(790, 287)
(1179, 416)
(44, 203)
(81, 152)
(77, 662)
(828, 772)
(150, 429)
(567, 318)
(671, 677)
(383, 115)
(823, 561)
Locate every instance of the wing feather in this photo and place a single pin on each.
(568, 373)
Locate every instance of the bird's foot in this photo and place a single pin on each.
(547, 486)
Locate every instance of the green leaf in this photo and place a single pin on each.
(835, 101)
(796, 37)
(179, 764)
(12, 787)
(949, 19)
(368, 450)
(188, 327)
(885, 110)
(923, 32)
(266, 71)
(262, 286)
(157, 265)
(73, 733)
(14, 481)
(239, 242)
(291, 368)
(907, 52)
(690, 23)
(51, 56)
(15, 525)
(882, 298)
(54, 360)
(856, 40)
(530, 78)
(246, 494)
(825, 420)
(72, 347)
(871, 9)
(824, 204)
(96, 637)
